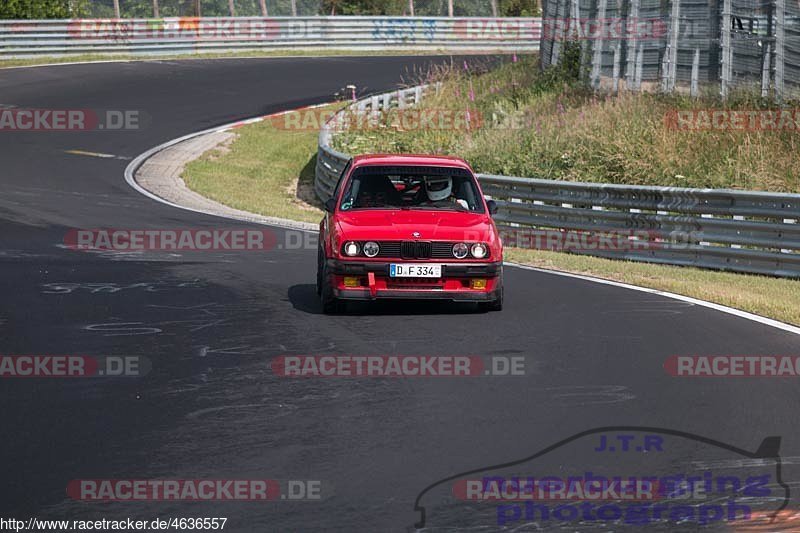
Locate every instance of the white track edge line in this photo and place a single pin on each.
(711, 305)
(140, 159)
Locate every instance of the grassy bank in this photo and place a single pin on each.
(527, 123)
(268, 169)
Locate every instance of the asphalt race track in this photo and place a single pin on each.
(210, 323)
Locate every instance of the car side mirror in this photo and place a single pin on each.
(492, 205)
(330, 205)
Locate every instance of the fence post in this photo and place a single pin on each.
(597, 59)
(675, 24)
(765, 71)
(780, 43)
(575, 16)
(639, 62)
(630, 70)
(615, 74)
(727, 56)
(695, 72)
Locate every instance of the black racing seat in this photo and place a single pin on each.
(377, 191)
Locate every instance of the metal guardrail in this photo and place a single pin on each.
(330, 162)
(25, 38)
(742, 231)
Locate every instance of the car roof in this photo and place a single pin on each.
(411, 160)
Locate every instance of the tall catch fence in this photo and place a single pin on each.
(751, 45)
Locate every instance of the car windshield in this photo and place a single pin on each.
(433, 188)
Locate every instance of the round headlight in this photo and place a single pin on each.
(460, 250)
(479, 250)
(371, 249)
(351, 248)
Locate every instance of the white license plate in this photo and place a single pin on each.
(414, 270)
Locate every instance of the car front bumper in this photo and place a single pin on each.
(454, 285)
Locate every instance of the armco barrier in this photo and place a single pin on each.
(743, 231)
(21, 38)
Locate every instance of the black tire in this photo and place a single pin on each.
(320, 266)
(494, 305)
(331, 305)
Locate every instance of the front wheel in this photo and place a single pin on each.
(331, 305)
(320, 266)
(494, 305)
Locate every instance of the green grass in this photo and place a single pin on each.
(533, 124)
(266, 170)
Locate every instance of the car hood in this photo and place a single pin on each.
(401, 225)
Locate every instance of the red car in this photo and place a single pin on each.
(409, 227)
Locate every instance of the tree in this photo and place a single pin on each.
(42, 9)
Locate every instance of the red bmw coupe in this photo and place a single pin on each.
(409, 227)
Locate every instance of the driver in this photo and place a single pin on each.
(440, 189)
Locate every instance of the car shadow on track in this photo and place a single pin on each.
(304, 298)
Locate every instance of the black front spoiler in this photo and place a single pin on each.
(449, 269)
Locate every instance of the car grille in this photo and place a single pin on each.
(442, 250)
(416, 249)
(389, 248)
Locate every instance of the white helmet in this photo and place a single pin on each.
(438, 187)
